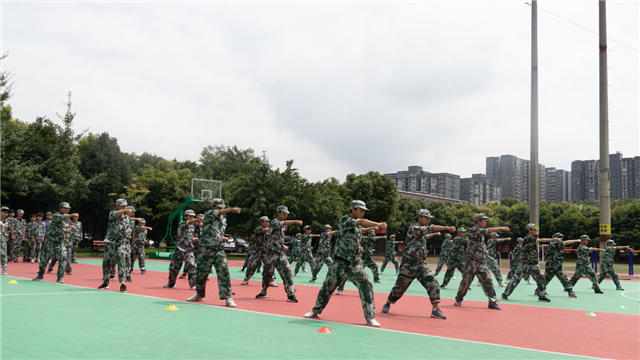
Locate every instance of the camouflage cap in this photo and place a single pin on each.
(306, 227)
(531, 226)
(131, 208)
(327, 226)
(283, 209)
(65, 204)
(298, 234)
(189, 212)
(610, 241)
(4, 208)
(392, 237)
(263, 218)
(200, 216)
(217, 202)
(519, 240)
(424, 213)
(494, 235)
(558, 235)
(461, 230)
(585, 237)
(447, 236)
(49, 213)
(358, 204)
(371, 231)
(142, 221)
(479, 217)
(121, 202)
(20, 211)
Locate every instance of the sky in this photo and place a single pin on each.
(340, 87)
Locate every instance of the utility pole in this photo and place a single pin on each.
(534, 177)
(605, 173)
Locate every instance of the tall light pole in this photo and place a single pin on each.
(605, 174)
(534, 177)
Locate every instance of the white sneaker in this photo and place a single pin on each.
(478, 283)
(453, 277)
(502, 284)
(229, 302)
(373, 323)
(194, 288)
(529, 282)
(310, 315)
(244, 282)
(339, 292)
(195, 298)
(304, 270)
(273, 284)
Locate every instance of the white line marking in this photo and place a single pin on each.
(623, 294)
(334, 322)
(67, 293)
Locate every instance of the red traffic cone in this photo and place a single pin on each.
(325, 330)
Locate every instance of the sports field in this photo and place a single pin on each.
(45, 320)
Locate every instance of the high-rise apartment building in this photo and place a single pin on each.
(624, 177)
(479, 190)
(558, 183)
(417, 180)
(511, 174)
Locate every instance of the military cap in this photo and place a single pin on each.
(424, 213)
(298, 234)
(217, 202)
(20, 211)
(371, 231)
(306, 227)
(4, 208)
(558, 235)
(610, 241)
(327, 226)
(65, 204)
(131, 208)
(49, 213)
(494, 235)
(200, 216)
(121, 202)
(479, 217)
(283, 209)
(519, 240)
(531, 226)
(142, 221)
(461, 230)
(447, 236)
(584, 237)
(264, 218)
(358, 204)
(392, 237)
(189, 212)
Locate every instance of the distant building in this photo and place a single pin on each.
(417, 180)
(479, 190)
(511, 174)
(428, 198)
(558, 185)
(624, 178)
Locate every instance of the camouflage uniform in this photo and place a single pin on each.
(38, 233)
(56, 245)
(184, 253)
(323, 256)
(29, 245)
(367, 259)
(475, 266)
(553, 266)
(445, 250)
(67, 244)
(607, 266)
(116, 250)
(211, 253)
(276, 258)
(390, 255)
(258, 250)
(413, 265)
(528, 265)
(5, 235)
(76, 238)
(456, 259)
(515, 262)
(18, 233)
(583, 267)
(295, 250)
(137, 248)
(305, 253)
(491, 259)
(347, 265)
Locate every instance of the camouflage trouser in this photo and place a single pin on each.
(58, 251)
(207, 258)
(26, 254)
(115, 253)
(295, 255)
(452, 265)
(443, 259)
(514, 269)
(473, 268)
(3, 254)
(550, 271)
(321, 259)
(391, 258)
(536, 274)
(367, 261)
(415, 270)
(54, 260)
(189, 260)
(256, 258)
(608, 270)
(47, 254)
(305, 255)
(342, 270)
(137, 253)
(37, 250)
(246, 260)
(14, 249)
(586, 270)
(492, 264)
(127, 260)
(273, 261)
(74, 249)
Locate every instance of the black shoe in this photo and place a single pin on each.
(123, 288)
(49, 271)
(292, 298)
(104, 285)
(112, 277)
(494, 306)
(437, 313)
(262, 295)
(143, 271)
(599, 291)
(505, 296)
(544, 299)
(128, 279)
(38, 278)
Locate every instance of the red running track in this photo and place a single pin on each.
(529, 327)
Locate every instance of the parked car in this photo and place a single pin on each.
(236, 245)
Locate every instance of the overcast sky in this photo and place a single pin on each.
(340, 87)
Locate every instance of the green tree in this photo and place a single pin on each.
(378, 191)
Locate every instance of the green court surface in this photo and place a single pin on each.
(587, 300)
(42, 320)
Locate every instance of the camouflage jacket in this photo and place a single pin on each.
(259, 239)
(389, 248)
(115, 228)
(5, 233)
(18, 228)
(607, 256)
(305, 243)
(275, 240)
(39, 230)
(416, 243)
(76, 234)
(29, 230)
(457, 249)
(445, 249)
(367, 244)
(515, 256)
(476, 248)
(56, 233)
(324, 244)
(185, 236)
(295, 246)
(555, 254)
(141, 236)
(583, 255)
(492, 248)
(529, 250)
(348, 240)
(213, 230)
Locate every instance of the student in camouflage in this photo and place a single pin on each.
(491, 259)
(184, 251)
(211, 252)
(29, 240)
(294, 254)
(390, 254)
(348, 264)
(515, 261)
(323, 256)
(553, 266)
(583, 266)
(360, 240)
(413, 263)
(474, 261)
(10, 243)
(5, 235)
(17, 235)
(445, 249)
(76, 238)
(276, 257)
(38, 234)
(305, 253)
(607, 263)
(137, 245)
(56, 237)
(367, 256)
(529, 264)
(258, 248)
(456, 256)
(115, 245)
